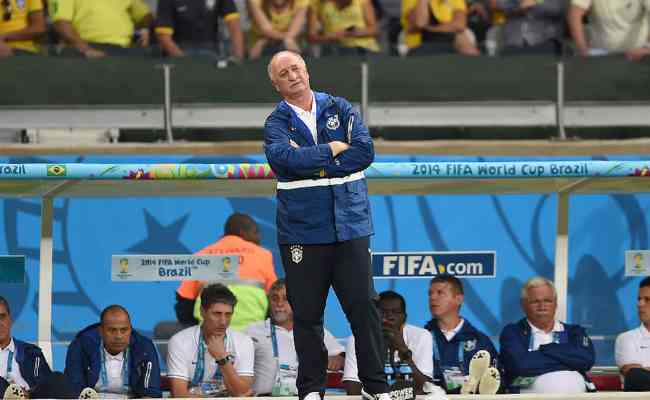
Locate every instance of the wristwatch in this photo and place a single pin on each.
(405, 355)
(222, 361)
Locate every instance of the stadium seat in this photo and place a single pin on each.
(606, 381)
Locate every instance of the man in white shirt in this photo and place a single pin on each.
(408, 348)
(541, 354)
(633, 347)
(616, 26)
(276, 361)
(211, 359)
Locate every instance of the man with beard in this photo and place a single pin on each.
(276, 362)
(632, 350)
(113, 359)
(408, 348)
(211, 359)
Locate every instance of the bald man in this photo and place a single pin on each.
(112, 358)
(318, 147)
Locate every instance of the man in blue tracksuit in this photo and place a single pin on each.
(111, 357)
(542, 355)
(455, 340)
(23, 366)
(318, 147)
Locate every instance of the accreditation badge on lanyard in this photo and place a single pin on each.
(453, 374)
(215, 385)
(286, 375)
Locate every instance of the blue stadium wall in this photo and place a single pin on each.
(520, 228)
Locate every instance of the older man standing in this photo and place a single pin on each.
(541, 354)
(318, 147)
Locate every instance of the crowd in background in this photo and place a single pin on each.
(249, 29)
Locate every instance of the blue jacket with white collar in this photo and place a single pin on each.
(83, 363)
(31, 362)
(312, 207)
(572, 351)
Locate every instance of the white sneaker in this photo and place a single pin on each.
(490, 382)
(312, 396)
(433, 392)
(14, 392)
(88, 393)
(479, 363)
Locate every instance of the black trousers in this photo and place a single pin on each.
(310, 271)
(54, 386)
(637, 380)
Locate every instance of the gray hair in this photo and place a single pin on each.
(535, 282)
(269, 67)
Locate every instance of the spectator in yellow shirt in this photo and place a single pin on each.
(437, 26)
(276, 25)
(344, 26)
(99, 28)
(22, 23)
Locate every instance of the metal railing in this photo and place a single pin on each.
(169, 115)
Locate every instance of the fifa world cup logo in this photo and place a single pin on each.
(226, 264)
(124, 266)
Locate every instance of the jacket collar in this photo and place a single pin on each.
(11, 346)
(466, 331)
(323, 101)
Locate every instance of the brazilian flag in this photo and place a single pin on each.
(56, 170)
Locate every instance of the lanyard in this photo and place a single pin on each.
(199, 371)
(10, 361)
(274, 342)
(531, 339)
(461, 353)
(104, 375)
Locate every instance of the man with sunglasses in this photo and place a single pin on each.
(22, 23)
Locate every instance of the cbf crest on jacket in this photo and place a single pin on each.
(321, 199)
